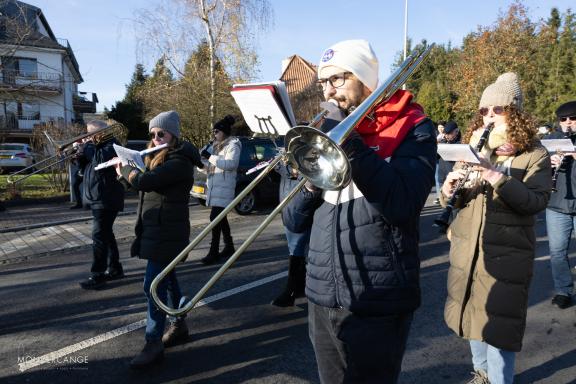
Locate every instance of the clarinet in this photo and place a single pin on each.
(443, 220)
(562, 166)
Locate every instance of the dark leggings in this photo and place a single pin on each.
(222, 226)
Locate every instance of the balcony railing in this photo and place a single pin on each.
(81, 104)
(25, 124)
(39, 81)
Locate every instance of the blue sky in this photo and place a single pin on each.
(102, 36)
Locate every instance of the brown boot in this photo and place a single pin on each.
(152, 353)
(177, 333)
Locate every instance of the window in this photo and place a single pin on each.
(28, 111)
(20, 66)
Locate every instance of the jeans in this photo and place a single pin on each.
(297, 242)
(437, 181)
(357, 349)
(560, 227)
(104, 247)
(168, 292)
(498, 363)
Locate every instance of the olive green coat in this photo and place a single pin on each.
(492, 253)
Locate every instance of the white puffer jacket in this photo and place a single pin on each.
(221, 173)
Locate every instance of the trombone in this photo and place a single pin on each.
(316, 155)
(64, 151)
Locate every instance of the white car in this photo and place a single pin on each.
(14, 156)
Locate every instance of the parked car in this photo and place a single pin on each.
(16, 156)
(254, 151)
(137, 145)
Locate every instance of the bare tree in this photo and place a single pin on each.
(175, 28)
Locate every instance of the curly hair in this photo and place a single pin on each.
(522, 128)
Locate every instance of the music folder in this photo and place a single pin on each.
(265, 107)
(558, 145)
(458, 152)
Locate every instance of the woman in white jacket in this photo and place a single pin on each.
(221, 164)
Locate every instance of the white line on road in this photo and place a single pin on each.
(54, 356)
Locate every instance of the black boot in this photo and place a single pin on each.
(152, 353)
(228, 247)
(296, 283)
(213, 256)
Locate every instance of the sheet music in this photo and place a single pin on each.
(261, 111)
(130, 157)
(558, 145)
(282, 92)
(458, 152)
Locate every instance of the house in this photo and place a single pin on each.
(39, 75)
(305, 93)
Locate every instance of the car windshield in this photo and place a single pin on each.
(11, 147)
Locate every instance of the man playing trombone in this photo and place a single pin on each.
(363, 266)
(105, 194)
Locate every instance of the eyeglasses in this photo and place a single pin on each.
(159, 134)
(336, 80)
(497, 110)
(571, 118)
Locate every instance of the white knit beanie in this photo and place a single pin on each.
(355, 56)
(505, 91)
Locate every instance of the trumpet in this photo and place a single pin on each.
(443, 220)
(67, 150)
(301, 143)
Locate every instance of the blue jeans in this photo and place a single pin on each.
(560, 227)
(297, 242)
(498, 363)
(104, 247)
(357, 349)
(437, 180)
(168, 292)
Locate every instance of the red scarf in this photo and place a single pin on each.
(391, 123)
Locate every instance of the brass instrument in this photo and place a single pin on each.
(443, 220)
(67, 150)
(301, 142)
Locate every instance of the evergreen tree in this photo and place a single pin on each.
(130, 111)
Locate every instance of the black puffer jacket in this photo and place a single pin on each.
(364, 245)
(163, 226)
(102, 190)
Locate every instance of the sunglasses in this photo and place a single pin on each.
(571, 118)
(159, 134)
(215, 131)
(497, 110)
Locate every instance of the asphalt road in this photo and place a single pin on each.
(237, 336)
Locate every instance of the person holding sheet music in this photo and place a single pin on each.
(362, 280)
(492, 236)
(162, 226)
(105, 196)
(561, 211)
(220, 164)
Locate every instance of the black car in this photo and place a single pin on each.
(254, 151)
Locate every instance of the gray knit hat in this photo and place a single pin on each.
(505, 91)
(168, 121)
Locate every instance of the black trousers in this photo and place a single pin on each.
(223, 227)
(357, 349)
(104, 247)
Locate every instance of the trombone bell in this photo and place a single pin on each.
(318, 158)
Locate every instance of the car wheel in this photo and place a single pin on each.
(247, 204)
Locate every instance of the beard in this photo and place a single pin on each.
(352, 99)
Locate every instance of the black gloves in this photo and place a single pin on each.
(205, 154)
(333, 118)
(353, 145)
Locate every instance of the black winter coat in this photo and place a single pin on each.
(163, 224)
(102, 190)
(363, 253)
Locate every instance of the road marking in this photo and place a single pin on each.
(54, 356)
